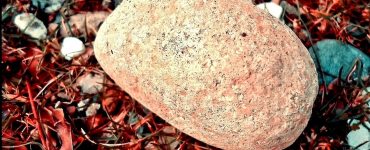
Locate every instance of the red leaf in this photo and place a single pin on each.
(63, 128)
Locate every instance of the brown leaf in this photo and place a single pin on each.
(323, 25)
(63, 128)
(95, 121)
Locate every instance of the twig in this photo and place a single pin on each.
(35, 114)
(104, 144)
(313, 49)
(51, 81)
(120, 144)
(20, 145)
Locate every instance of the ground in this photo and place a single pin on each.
(42, 91)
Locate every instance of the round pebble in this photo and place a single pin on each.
(72, 47)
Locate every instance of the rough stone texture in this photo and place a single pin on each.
(222, 71)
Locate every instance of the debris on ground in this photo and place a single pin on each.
(58, 119)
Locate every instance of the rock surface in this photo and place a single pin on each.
(333, 54)
(92, 109)
(30, 25)
(224, 72)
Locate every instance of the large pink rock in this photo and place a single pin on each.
(222, 71)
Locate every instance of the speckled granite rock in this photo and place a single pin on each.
(222, 71)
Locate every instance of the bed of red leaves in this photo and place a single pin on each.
(40, 94)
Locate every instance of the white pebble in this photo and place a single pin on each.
(365, 91)
(91, 83)
(82, 104)
(92, 109)
(359, 136)
(30, 25)
(72, 47)
(274, 9)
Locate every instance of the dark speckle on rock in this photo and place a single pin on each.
(244, 34)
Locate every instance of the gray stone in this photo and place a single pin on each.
(92, 109)
(334, 54)
(90, 83)
(30, 25)
(357, 137)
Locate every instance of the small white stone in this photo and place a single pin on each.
(82, 104)
(72, 47)
(30, 25)
(274, 9)
(91, 83)
(366, 91)
(92, 109)
(359, 136)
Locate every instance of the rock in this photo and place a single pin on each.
(81, 106)
(220, 71)
(92, 109)
(357, 137)
(93, 21)
(72, 47)
(365, 92)
(48, 6)
(333, 54)
(90, 83)
(273, 8)
(30, 25)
